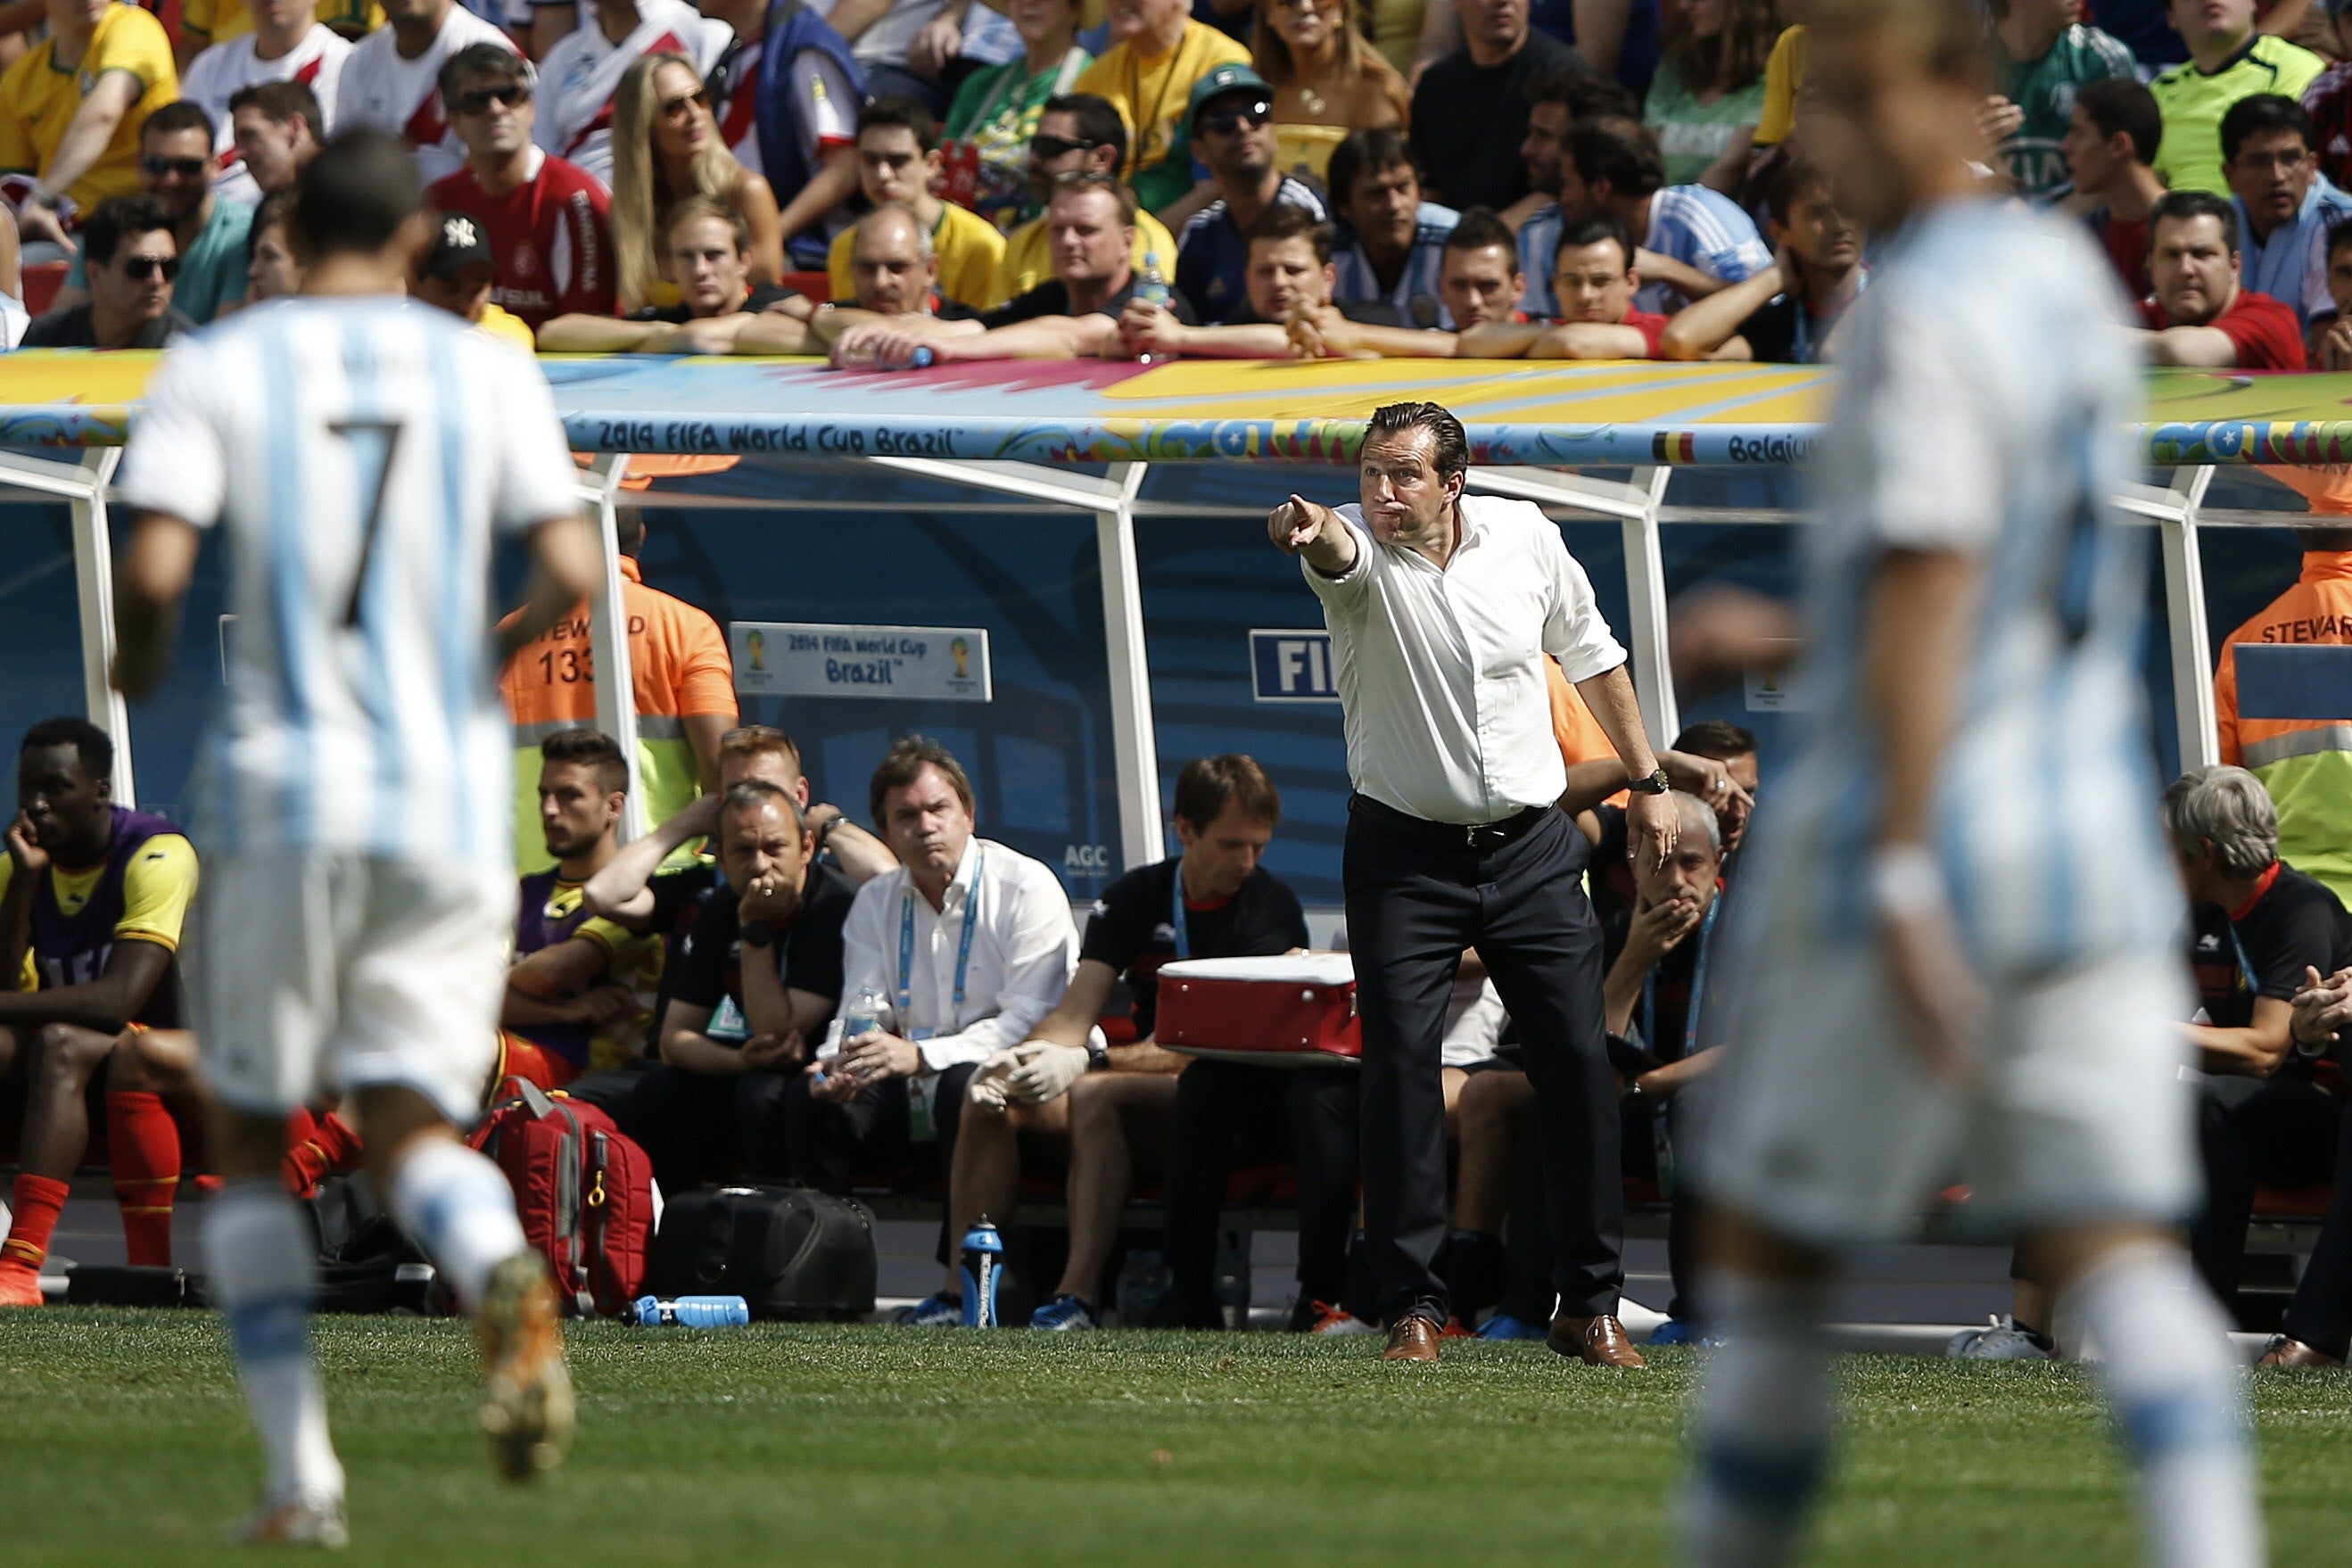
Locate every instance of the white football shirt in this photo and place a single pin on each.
(402, 96)
(224, 70)
(373, 448)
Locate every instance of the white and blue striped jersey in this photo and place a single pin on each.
(1690, 223)
(1984, 408)
(358, 453)
(1415, 298)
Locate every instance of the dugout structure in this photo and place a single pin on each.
(1645, 446)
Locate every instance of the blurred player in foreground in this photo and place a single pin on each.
(353, 929)
(1935, 975)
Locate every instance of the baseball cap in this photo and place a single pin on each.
(459, 244)
(1220, 81)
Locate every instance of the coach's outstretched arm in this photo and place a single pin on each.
(567, 558)
(1299, 527)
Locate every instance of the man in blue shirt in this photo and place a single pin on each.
(1393, 243)
(1231, 118)
(1691, 241)
(2285, 206)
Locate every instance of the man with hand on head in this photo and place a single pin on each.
(751, 990)
(1441, 605)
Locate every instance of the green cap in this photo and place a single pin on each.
(1223, 80)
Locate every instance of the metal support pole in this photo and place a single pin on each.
(2175, 508)
(93, 549)
(1635, 505)
(608, 637)
(1134, 748)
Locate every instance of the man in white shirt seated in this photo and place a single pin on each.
(967, 945)
(288, 43)
(583, 69)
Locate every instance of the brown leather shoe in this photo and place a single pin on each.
(1596, 1341)
(2287, 1353)
(1412, 1339)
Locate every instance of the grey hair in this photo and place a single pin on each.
(751, 793)
(923, 248)
(2229, 808)
(1691, 808)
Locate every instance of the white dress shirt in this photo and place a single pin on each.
(1023, 950)
(1441, 672)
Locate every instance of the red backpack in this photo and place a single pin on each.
(583, 1189)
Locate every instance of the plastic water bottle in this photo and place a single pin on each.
(922, 358)
(864, 1018)
(1144, 1287)
(689, 1312)
(984, 1268)
(1152, 287)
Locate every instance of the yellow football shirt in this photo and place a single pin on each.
(158, 884)
(217, 21)
(1784, 78)
(968, 247)
(38, 101)
(1151, 96)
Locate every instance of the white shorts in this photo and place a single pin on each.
(1828, 1129)
(325, 974)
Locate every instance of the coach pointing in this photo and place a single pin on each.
(1442, 607)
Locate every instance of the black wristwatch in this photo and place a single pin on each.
(1656, 783)
(758, 934)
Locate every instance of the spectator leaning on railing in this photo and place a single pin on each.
(1787, 314)
(2202, 314)
(1287, 273)
(1478, 281)
(1391, 248)
(1593, 289)
(709, 258)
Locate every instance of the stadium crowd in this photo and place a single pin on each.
(899, 182)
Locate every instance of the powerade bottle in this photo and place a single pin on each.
(690, 1313)
(983, 1264)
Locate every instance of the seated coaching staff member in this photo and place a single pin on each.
(753, 986)
(1441, 607)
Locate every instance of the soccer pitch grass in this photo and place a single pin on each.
(124, 1441)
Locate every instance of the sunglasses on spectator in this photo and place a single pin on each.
(184, 168)
(513, 95)
(141, 269)
(671, 107)
(1225, 121)
(1043, 146)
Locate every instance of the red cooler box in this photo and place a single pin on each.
(1298, 1011)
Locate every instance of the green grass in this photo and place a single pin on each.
(122, 1440)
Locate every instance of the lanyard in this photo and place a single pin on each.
(963, 947)
(1176, 915)
(1145, 124)
(1698, 984)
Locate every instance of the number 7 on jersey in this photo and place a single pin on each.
(374, 444)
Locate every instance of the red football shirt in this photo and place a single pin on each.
(1653, 327)
(2265, 332)
(550, 238)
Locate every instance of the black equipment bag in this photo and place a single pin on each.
(789, 1252)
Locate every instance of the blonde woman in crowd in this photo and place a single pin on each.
(1708, 94)
(667, 147)
(1327, 79)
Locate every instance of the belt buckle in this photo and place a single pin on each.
(1491, 831)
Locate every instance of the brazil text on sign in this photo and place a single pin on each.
(910, 663)
(1293, 666)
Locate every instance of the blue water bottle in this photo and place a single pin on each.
(983, 1262)
(689, 1312)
